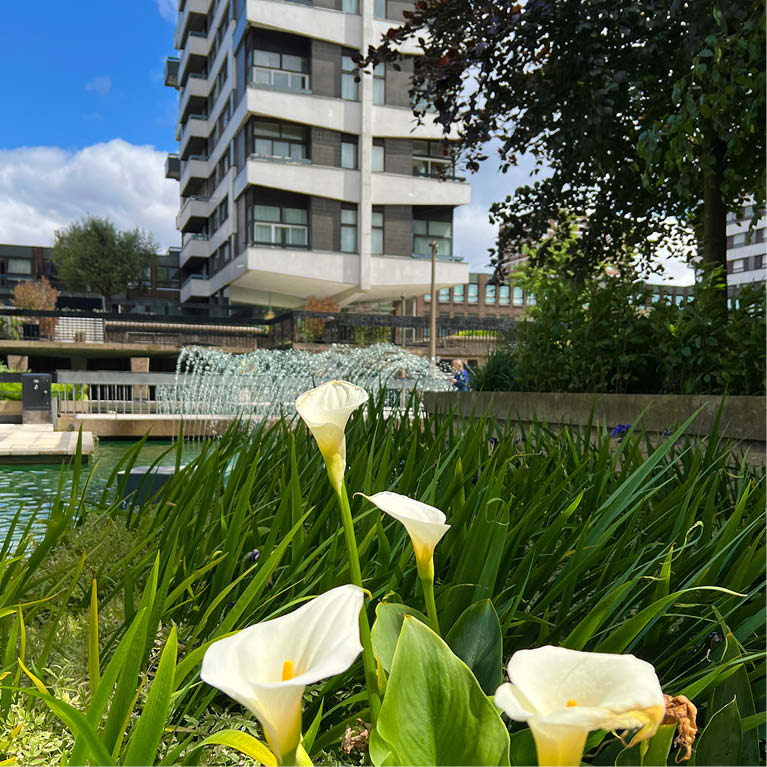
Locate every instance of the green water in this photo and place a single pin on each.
(33, 487)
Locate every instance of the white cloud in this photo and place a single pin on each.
(101, 85)
(168, 9)
(46, 188)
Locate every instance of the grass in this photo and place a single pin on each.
(589, 544)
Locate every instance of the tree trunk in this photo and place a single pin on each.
(715, 215)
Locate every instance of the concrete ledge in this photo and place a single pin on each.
(743, 418)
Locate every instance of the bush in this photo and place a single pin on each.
(12, 391)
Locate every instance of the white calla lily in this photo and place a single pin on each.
(424, 524)
(564, 694)
(326, 410)
(266, 667)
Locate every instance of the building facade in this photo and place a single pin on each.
(160, 289)
(746, 247)
(298, 178)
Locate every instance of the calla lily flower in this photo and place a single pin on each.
(564, 694)
(326, 410)
(425, 525)
(266, 667)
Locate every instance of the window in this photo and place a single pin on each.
(220, 214)
(377, 237)
(379, 83)
(427, 298)
(433, 160)
(458, 294)
(349, 84)
(489, 294)
(678, 300)
(349, 152)
(19, 266)
(732, 217)
(473, 293)
(379, 9)
(738, 265)
(285, 140)
(280, 227)
(280, 71)
(378, 156)
(350, 6)
(531, 299)
(348, 230)
(517, 297)
(744, 238)
(425, 232)
(444, 295)
(503, 295)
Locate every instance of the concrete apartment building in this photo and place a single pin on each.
(746, 248)
(296, 180)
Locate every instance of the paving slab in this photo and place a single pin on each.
(38, 443)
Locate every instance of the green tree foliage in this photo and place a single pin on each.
(635, 106)
(94, 255)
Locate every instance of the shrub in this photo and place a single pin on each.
(39, 295)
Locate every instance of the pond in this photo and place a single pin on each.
(32, 485)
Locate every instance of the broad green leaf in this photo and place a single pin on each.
(721, 740)
(381, 752)
(311, 732)
(386, 630)
(659, 747)
(245, 744)
(142, 748)
(523, 752)
(476, 639)
(434, 711)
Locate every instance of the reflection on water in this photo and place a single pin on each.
(33, 487)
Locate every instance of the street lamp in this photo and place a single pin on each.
(433, 318)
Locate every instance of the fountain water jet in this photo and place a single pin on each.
(264, 383)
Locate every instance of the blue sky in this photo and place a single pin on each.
(88, 124)
(84, 72)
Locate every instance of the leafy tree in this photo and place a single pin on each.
(650, 114)
(39, 295)
(93, 255)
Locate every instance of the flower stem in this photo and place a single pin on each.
(431, 605)
(368, 659)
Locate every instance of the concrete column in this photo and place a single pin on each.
(140, 365)
(365, 210)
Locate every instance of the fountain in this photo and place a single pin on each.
(213, 385)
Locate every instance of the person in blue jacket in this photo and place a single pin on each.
(460, 379)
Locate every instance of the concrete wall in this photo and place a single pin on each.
(398, 156)
(742, 417)
(398, 83)
(326, 69)
(394, 9)
(398, 230)
(326, 224)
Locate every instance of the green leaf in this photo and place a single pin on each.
(314, 727)
(434, 711)
(386, 630)
(245, 744)
(93, 639)
(523, 751)
(476, 639)
(142, 748)
(659, 746)
(721, 740)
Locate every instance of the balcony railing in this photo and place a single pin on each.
(171, 71)
(173, 167)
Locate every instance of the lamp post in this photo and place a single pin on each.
(433, 317)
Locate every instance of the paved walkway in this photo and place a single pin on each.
(38, 443)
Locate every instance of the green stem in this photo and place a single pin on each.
(431, 606)
(368, 659)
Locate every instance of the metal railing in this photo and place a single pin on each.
(459, 336)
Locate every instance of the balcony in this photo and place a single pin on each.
(393, 189)
(171, 72)
(195, 247)
(320, 111)
(173, 167)
(194, 171)
(318, 23)
(193, 214)
(196, 45)
(196, 127)
(195, 286)
(393, 122)
(301, 178)
(193, 18)
(196, 88)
